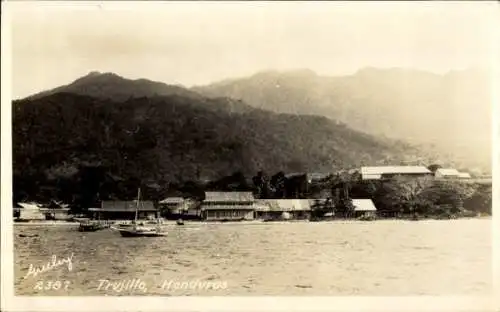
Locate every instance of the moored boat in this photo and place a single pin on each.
(90, 226)
(135, 230)
(138, 231)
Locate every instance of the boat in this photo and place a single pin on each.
(87, 225)
(136, 230)
(90, 227)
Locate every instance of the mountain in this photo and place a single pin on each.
(174, 138)
(445, 114)
(114, 87)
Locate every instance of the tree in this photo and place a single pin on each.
(449, 193)
(406, 194)
(261, 183)
(278, 184)
(193, 190)
(481, 200)
(434, 167)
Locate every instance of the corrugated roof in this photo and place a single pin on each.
(229, 197)
(228, 207)
(283, 204)
(447, 172)
(172, 200)
(394, 170)
(363, 205)
(32, 206)
(112, 205)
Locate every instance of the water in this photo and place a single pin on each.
(387, 258)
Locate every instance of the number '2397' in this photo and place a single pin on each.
(52, 285)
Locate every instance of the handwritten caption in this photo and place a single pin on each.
(137, 285)
(50, 265)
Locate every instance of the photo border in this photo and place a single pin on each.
(9, 302)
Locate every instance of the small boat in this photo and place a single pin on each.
(135, 230)
(89, 227)
(28, 235)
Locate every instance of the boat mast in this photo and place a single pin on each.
(137, 207)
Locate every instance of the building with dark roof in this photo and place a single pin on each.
(227, 206)
(124, 210)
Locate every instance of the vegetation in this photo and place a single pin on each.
(104, 136)
(79, 149)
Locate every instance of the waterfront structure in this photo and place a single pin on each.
(226, 206)
(180, 208)
(364, 207)
(124, 210)
(273, 209)
(171, 201)
(387, 172)
(446, 173)
(173, 205)
(464, 175)
(28, 211)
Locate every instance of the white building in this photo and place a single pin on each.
(364, 207)
(378, 173)
(446, 173)
(464, 175)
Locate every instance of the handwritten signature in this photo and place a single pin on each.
(54, 263)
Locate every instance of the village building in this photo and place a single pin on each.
(124, 210)
(283, 209)
(179, 208)
(364, 207)
(28, 211)
(172, 204)
(227, 206)
(388, 172)
(464, 175)
(446, 173)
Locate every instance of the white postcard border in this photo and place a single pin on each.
(157, 303)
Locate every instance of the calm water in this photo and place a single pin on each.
(331, 258)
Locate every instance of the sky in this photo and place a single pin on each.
(195, 43)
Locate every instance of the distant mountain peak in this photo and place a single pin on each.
(93, 73)
(113, 86)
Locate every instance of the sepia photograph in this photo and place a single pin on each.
(248, 149)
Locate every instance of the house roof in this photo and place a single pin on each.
(283, 204)
(115, 205)
(229, 197)
(447, 172)
(363, 205)
(32, 206)
(229, 207)
(464, 175)
(172, 200)
(394, 170)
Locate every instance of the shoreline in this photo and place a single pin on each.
(172, 222)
